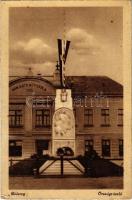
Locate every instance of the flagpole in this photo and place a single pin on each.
(63, 47)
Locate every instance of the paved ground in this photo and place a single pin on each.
(65, 183)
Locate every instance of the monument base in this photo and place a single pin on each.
(62, 143)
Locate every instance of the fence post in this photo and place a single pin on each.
(62, 171)
(35, 172)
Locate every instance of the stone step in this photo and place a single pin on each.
(50, 167)
(54, 168)
(46, 164)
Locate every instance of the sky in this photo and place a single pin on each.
(95, 34)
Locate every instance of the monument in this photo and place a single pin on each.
(63, 131)
(63, 125)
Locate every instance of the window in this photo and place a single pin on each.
(42, 118)
(120, 147)
(15, 148)
(105, 117)
(15, 118)
(106, 148)
(88, 145)
(88, 117)
(120, 117)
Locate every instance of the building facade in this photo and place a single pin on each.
(98, 112)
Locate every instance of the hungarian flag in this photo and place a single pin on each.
(63, 47)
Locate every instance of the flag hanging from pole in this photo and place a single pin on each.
(63, 47)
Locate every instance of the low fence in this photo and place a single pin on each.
(36, 163)
(12, 161)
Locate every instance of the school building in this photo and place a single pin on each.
(98, 112)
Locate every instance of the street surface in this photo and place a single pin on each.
(65, 183)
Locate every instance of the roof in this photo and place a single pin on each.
(87, 85)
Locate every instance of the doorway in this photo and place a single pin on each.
(41, 146)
